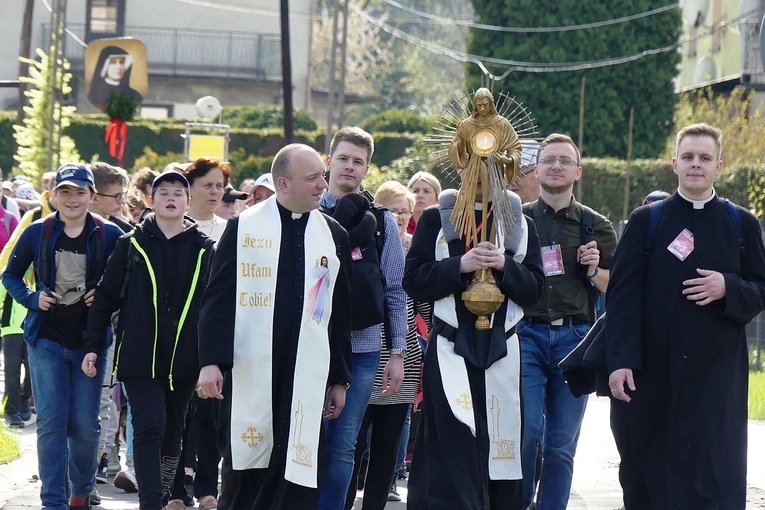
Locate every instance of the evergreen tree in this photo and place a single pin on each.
(32, 137)
(645, 84)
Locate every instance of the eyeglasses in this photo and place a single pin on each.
(403, 212)
(119, 197)
(564, 161)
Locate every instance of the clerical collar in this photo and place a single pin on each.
(286, 213)
(479, 206)
(698, 204)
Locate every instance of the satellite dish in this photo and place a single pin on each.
(749, 10)
(695, 12)
(208, 107)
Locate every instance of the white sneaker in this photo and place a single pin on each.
(126, 481)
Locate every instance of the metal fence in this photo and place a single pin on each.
(176, 52)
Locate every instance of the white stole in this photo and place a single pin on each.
(252, 421)
(503, 395)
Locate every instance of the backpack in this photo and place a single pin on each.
(96, 262)
(368, 281)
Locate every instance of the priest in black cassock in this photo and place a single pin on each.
(467, 451)
(274, 319)
(676, 343)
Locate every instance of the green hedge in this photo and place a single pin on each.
(252, 150)
(603, 183)
(163, 137)
(397, 121)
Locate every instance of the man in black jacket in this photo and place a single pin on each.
(676, 340)
(275, 319)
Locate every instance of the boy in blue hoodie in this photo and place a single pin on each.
(68, 250)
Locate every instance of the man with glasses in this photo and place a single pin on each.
(577, 246)
(526, 184)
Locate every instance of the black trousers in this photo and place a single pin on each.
(158, 417)
(15, 355)
(387, 423)
(200, 449)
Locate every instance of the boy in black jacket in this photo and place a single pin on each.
(155, 278)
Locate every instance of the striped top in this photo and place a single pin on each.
(407, 393)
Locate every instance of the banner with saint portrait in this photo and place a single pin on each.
(115, 65)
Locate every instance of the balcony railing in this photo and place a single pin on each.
(198, 53)
(750, 47)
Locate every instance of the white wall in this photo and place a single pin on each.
(260, 16)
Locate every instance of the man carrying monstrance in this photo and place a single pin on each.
(477, 258)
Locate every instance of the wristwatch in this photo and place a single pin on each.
(399, 351)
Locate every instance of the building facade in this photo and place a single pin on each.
(194, 48)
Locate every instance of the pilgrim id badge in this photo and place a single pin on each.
(682, 246)
(552, 260)
(356, 254)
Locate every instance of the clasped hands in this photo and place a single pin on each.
(485, 255)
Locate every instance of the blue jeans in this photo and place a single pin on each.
(68, 405)
(343, 430)
(552, 415)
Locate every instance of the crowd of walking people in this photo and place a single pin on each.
(288, 343)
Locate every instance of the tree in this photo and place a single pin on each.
(32, 137)
(645, 84)
(398, 73)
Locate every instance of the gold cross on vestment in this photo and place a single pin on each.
(251, 438)
(465, 402)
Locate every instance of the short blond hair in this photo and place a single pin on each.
(390, 191)
(701, 129)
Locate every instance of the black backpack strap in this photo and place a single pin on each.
(379, 212)
(735, 215)
(380, 230)
(133, 257)
(595, 297)
(46, 238)
(654, 215)
(98, 254)
(587, 224)
(208, 247)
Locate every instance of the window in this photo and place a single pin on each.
(105, 18)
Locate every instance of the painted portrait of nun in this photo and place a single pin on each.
(115, 69)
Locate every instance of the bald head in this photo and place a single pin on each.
(298, 173)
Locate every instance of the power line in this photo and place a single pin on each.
(69, 32)
(495, 28)
(246, 10)
(530, 67)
